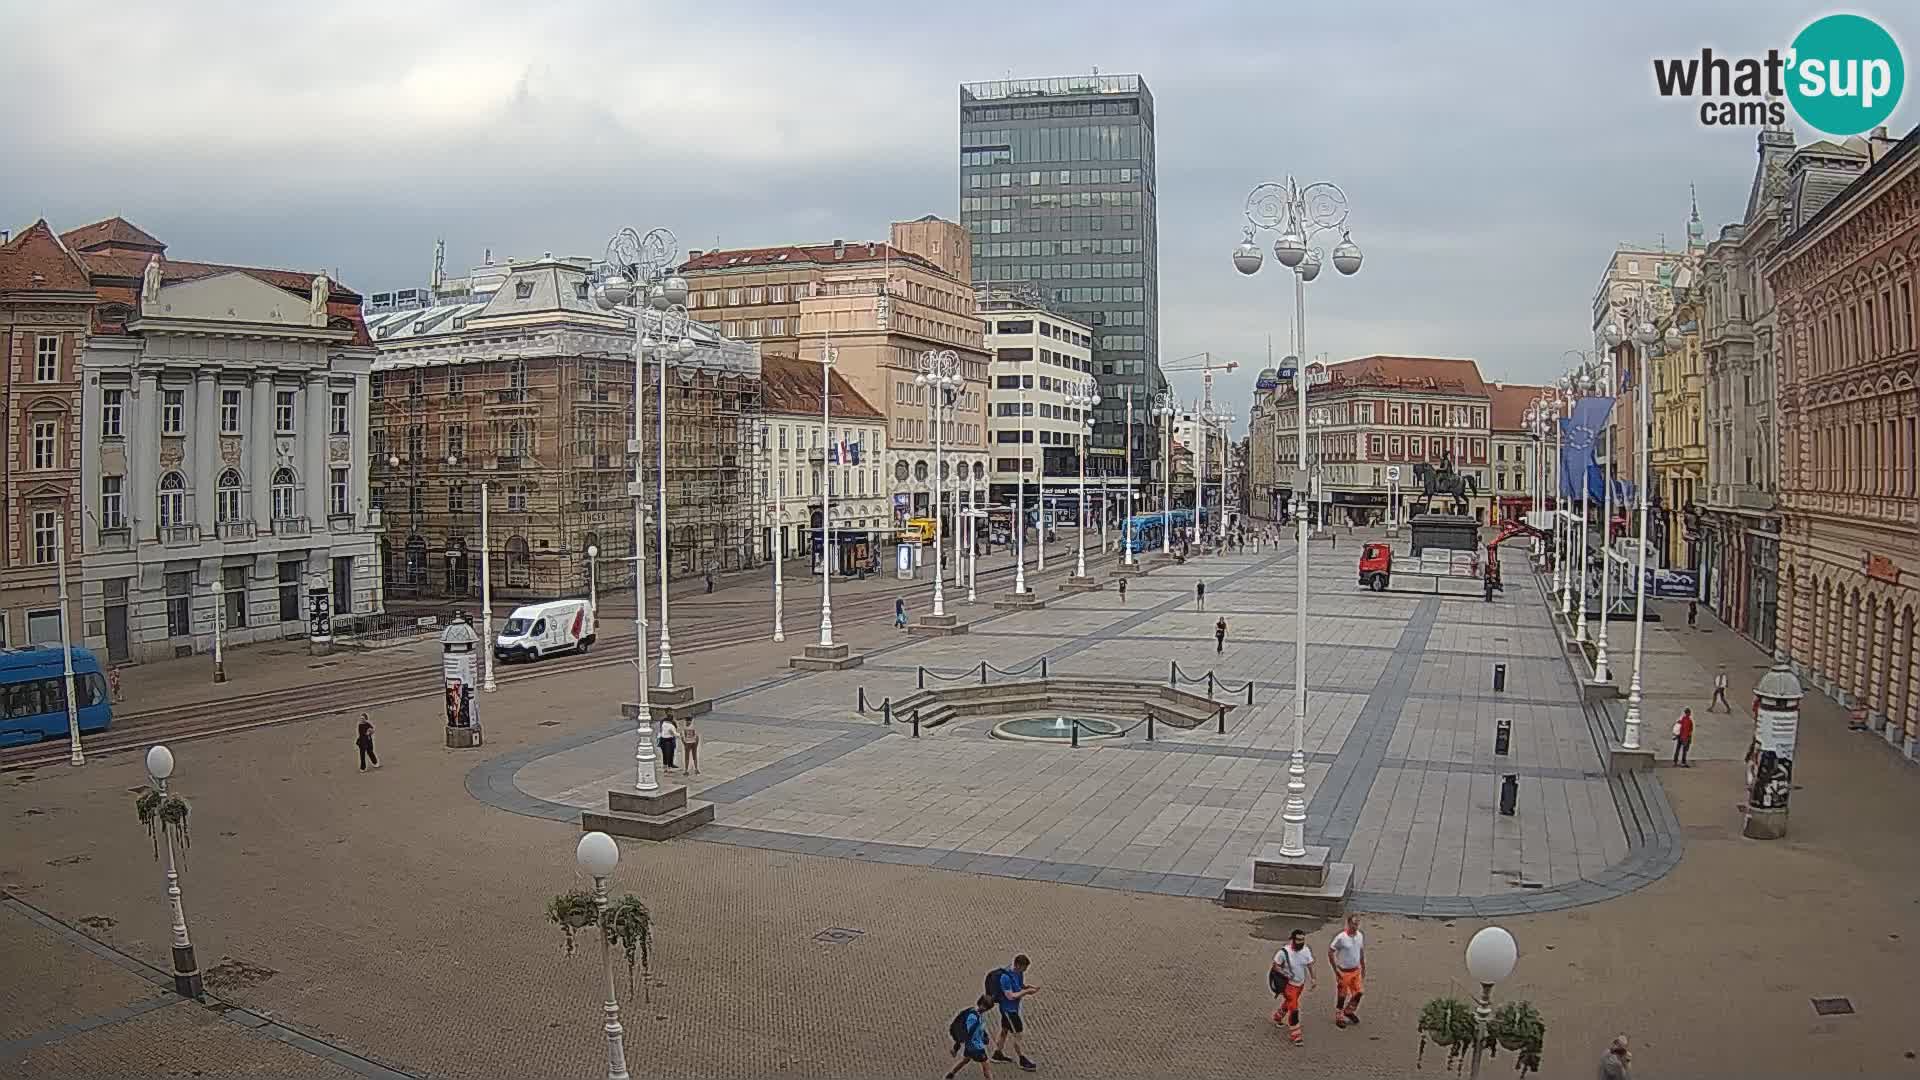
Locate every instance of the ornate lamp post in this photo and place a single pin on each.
(1126, 540)
(776, 547)
(1164, 409)
(1596, 373)
(1583, 384)
(940, 377)
(1564, 574)
(1082, 398)
(597, 855)
(1299, 214)
(973, 530)
(633, 267)
(187, 981)
(1644, 335)
(1490, 957)
(593, 585)
(219, 632)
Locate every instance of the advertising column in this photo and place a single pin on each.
(460, 674)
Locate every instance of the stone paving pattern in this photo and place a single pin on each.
(1402, 778)
(402, 920)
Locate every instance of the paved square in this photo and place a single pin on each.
(1402, 776)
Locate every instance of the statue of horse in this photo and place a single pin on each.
(1441, 480)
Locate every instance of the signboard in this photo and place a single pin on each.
(1681, 584)
(1393, 474)
(903, 560)
(1880, 568)
(1770, 766)
(319, 611)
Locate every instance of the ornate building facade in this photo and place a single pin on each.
(513, 382)
(224, 422)
(46, 302)
(1677, 471)
(1845, 279)
(792, 477)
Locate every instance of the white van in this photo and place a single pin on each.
(539, 630)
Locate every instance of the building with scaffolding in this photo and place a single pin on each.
(513, 386)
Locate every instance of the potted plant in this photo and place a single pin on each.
(626, 922)
(1517, 1026)
(572, 911)
(159, 811)
(1448, 1022)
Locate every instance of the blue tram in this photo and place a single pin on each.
(33, 695)
(1144, 531)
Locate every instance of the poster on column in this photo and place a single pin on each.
(1770, 767)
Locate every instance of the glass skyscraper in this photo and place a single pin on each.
(1057, 192)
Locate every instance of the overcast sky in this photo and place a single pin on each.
(1493, 153)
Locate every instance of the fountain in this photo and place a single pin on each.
(1057, 729)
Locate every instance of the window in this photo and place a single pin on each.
(227, 493)
(46, 359)
(337, 494)
(173, 500)
(456, 497)
(283, 412)
(172, 405)
(456, 440)
(112, 402)
(456, 383)
(229, 412)
(112, 510)
(516, 497)
(46, 434)
(290, 572)
(233, 579)
(180, 603)
(733, 297)
(285, 504)
(337, 412)
(45, 537)
(516, 440)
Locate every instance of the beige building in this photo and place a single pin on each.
(1518, 460)
(793, 299)
(1040, 358)
(790, 481)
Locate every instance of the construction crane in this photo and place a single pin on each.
(1206, 366)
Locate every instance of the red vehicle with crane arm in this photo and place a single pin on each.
(1376, 561)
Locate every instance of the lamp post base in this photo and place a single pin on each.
(187, 981)
(826, 658)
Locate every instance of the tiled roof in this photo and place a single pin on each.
(1510, 404)
(298, 282)
(790, 386)
(111, 233)
(774, 258)
(37, 261)
(1432, 373)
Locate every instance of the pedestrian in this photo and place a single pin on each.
(669, 740)
(690, 742)
(364, 741)
(1720, 691)
(1008, 988)
(1618, 1064)
(1200, 594)
(900, 613)
(1220, 635)
(1693, 613)
(1683, 738)
(1123, 590)
(113, 684)
(969, 1032)
(1348, 955)
(709, 581)
(1293, 972)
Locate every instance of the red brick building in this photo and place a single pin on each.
(46, 302)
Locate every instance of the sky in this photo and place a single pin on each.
(1493, 154)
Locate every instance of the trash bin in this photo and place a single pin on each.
(1502, 736)
(1509, 794)
(1499, 676)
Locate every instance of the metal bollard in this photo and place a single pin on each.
(983, 673)
(1043, 667)
(916, 723)
(861, 708)
(921, 675)
(1223, 719)
(1173, 673)
(1149, 727)
(886, 712)
(1075, 721)
(1499, 676)
(1249, 691)
(1209, 684)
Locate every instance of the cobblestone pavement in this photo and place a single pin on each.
(390, 919)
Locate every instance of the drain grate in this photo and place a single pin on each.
(1833, 1006)
(837, 935)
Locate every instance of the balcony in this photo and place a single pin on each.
(235, 530)
(179, 535)
(340, 523)
(292, 526)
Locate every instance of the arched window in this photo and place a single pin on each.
(519, 568)
(228, 493)
(173, 500)
(286, 500)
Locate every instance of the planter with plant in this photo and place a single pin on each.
(159, 810)
(1517, 1026)
(1448, 1022)
(627, 922)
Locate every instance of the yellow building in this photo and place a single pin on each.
(1679, 436)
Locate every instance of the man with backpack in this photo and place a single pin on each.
(969, 1030)
(1007, 987)
(1291, 975)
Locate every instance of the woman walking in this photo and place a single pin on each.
(690, 742)
(364, 741)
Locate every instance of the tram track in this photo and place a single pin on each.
(361, 693)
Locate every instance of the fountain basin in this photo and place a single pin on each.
(1057, 729)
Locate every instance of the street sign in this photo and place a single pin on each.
(1393, 474)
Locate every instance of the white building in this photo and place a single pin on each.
(224, 423)
(1039, 358)
(789, 481)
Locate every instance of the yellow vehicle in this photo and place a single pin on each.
(919, 530)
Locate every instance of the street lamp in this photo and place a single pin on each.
(776, 544)
(1583, 383)
(1018, 520)
(940, 378)
(219, 631)
(1126, 538)
(1490, 957)
(1299, 214)
(593, 586)
(186, 973)
(597, 855)
(1644, 335)
(1164, 409)
(1564, 571)
(1082, 398)
(631, 265)
(1596, 373)
(1318, 418)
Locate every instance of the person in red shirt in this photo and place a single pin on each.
(1683, 738)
